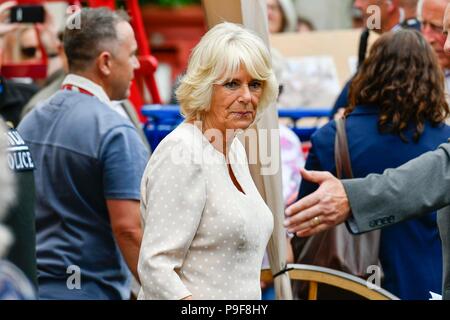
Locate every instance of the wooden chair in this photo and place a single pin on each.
(315, 275)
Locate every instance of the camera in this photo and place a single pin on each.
(27, 14)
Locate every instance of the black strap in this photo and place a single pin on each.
(283, 271)
(363, 40)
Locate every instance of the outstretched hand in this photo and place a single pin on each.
(326, 207)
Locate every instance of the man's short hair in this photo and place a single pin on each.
(95, 33)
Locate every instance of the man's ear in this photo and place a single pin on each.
(104, 63)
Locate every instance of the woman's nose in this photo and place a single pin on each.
(245, 94)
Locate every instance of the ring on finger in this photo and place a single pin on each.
(314, 222)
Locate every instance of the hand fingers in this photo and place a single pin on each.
(313, 230)
(302, 219)
(315, 176)
(7, 28)
(4, 7)
(7, 5)
(300, 227)
(302, 204)
(312, 199)
(3, 17)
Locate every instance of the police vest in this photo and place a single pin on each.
(18, 153)
(21, 219)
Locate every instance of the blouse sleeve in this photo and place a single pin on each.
(173, 197)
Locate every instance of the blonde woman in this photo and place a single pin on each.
(205, 224)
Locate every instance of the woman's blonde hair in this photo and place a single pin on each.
(220, 53)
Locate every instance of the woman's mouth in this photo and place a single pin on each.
(242, 113)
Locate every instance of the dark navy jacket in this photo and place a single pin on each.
(410, 252)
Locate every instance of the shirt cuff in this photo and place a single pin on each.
(352, 226)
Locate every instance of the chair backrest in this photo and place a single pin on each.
(315, 275)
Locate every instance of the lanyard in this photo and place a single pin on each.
(77, 89)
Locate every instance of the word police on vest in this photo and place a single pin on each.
(19, 156)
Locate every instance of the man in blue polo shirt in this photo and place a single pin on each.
(89, 162)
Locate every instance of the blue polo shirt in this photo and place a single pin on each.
(84, 153)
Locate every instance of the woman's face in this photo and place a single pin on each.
(234, 103)
(275, 16)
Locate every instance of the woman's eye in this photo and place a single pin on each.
(255, 85)
(231, 85)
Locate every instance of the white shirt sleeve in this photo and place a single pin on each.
(173, 198)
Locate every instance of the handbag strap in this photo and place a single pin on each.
(341, 153)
